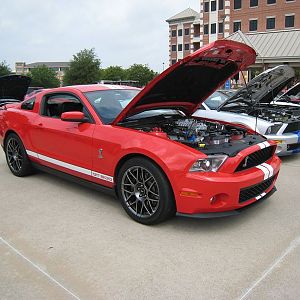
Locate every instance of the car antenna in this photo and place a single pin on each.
(250, 96)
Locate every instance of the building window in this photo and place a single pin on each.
(270, 23)
(237, 4)
(173, 48)
(173, 61)
(221, 4)
(213, 28)
(271, 1)
(290, 21)
(187, 31)
(173, 33)
(206, 29)
(206, 6)
(253, 3)
(186, 47)
(213, 5)
(253, 25)
(237, 25)
(221, 27)
(179, 47)
(180, 32)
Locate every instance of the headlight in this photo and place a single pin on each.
(210, 164)
(273, 129)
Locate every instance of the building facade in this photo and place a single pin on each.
(220, 18)
(58, 67)
(184, 34)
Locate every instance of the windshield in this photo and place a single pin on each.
(215, 100)
(109, 103)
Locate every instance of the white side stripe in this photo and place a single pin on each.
(33, 154)
(65, 165)
(70, 166)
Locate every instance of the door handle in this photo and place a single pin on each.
(40, 124)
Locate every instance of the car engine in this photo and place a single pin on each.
(208, 137)
(274, 113)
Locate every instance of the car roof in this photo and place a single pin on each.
(100, 87)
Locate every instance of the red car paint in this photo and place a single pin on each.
(73, 148)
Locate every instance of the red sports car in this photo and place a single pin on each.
(144, 145)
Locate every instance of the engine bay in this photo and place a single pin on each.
(269, 112)
(205, 136)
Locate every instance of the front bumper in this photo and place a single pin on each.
(217, 192)
(287, 143)
(229, 213)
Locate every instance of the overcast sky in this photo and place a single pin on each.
(122, 32)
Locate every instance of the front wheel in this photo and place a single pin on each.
(145, 192)
(16, 156)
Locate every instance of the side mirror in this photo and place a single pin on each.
(74, 116)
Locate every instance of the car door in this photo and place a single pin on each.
(66, 146)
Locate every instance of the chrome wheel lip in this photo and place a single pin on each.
(140, 191)
(14, 155)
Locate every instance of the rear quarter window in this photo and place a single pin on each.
(28, 104)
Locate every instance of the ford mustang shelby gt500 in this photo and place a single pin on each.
(145, 145)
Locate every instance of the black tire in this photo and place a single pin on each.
(16, 156)
(145, 192)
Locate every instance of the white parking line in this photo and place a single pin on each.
(293, 245)
(38, 268)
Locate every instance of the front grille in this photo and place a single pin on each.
(294, 126)
(255, 190)
(293, 147)
(256, 158)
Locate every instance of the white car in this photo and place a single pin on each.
(254, 106)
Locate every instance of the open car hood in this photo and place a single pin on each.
(14, 87)
(293, 91)
(264, 87)
(186, 84)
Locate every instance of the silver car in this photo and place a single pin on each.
(253, 106)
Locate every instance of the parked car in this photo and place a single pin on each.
(13, 88)
(253, 106)
(150, 151)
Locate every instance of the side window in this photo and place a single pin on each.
(55, 105)
(28, 104)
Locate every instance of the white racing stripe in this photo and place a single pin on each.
(260, 196)
(70, 166)
(265, 171)
(263, 145)
(270, 169)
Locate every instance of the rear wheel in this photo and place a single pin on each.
(145, 192)
(16, 156)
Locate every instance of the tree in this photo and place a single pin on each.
(113, 73)
(84, 68)
(4, 68)
(43, 76)
(141, 73)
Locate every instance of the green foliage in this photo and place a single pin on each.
(113, 73)
(4, 68)
(84, 68)
(142, 73)
(43, 76)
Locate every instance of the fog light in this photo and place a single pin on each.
(278, 142)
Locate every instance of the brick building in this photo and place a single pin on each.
(184, 34)
(220, 18)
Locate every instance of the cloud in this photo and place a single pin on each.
(122, 32)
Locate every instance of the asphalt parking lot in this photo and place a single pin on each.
(59, 240)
